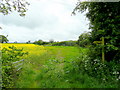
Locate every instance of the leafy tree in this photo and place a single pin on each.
(3, 39)
(7, 6)
(40, 42)
(83, 40)
(104, 21)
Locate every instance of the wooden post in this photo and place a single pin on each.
(103, 54)
(101, 42)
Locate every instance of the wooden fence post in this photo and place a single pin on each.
(101, 42)
(103, 54)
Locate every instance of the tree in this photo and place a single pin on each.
(39, 42)
(104, 22)
(15, 42)
(3, 39)
(28, 42)
(83, 40)
(7, 6)
(51, 41)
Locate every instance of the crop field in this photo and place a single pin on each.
(52, 67)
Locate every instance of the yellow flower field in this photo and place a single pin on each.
(31, 48)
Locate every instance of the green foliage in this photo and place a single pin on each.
(3, 39)
(52, 43)
(106, 73)
(7, 6)
(83, 40)
(40, 42)
(104, 22)
(9, 55)
(64, 43)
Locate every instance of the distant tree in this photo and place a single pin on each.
(64, 43)
(3, 39)
(51, 41)
(28, 42)
(15, 42)
(40, 42)
(0, 27)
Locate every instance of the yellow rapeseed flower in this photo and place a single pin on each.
(32, 49)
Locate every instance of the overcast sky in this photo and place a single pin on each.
(45, 19)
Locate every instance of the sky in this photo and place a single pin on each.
(45, 20)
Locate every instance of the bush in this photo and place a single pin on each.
(107, 72)
(9, 55)
(83, 40)
(64, 43)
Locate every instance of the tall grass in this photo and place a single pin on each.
(55, 67)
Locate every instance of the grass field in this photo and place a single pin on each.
(52, 67)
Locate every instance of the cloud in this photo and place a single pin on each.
(45, 19)
(39, 13)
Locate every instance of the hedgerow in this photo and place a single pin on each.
(9, 55)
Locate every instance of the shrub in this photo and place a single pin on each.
(64, 43)
(9, 55)
(107, 72)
